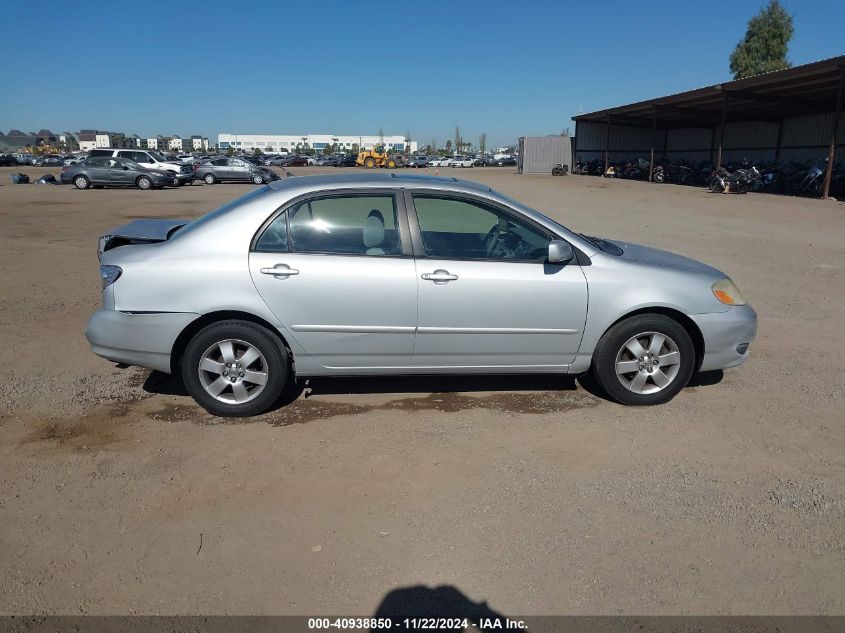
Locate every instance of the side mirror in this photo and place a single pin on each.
(560, 252)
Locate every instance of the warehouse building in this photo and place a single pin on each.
(792, 115)
(282, 143)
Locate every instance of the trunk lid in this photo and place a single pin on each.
(148, 231)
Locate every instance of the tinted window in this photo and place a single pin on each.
(355, 225)
(97, 161)
(125, 154)
(457, 229)
(275, 237)
(220, 162)
(100, 152)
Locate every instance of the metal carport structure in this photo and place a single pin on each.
(781, 100)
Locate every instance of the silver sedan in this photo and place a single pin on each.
(368, 274)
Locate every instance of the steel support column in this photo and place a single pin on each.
(606, 144)
(779, 140)
(722, 132)
(653, 134)
(831, 153)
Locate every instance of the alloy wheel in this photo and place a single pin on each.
(233, 371)
(647, 363)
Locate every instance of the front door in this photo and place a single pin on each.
(119, 173)
(487, 296)
(333, 270)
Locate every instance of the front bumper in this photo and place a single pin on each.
(142, 339)
(727, 336)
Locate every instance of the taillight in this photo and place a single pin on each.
(109, 274)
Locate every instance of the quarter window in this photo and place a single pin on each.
(353, 225)
(275, 236)
(458, 229)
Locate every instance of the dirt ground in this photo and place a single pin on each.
(119, 495)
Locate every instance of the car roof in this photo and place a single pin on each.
(340, 181)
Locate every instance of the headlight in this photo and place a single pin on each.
(727, 292)
(110, 274)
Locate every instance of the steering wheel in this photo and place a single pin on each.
(495, 244)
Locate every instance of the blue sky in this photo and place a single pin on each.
(508, 68)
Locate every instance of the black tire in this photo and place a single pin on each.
(209, 179)
(612, 344)
(258, 179)
(81, 182)
(279, 373)
(716, 185)
(144, 182)
(659, 176)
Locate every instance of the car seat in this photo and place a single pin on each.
(374, 233)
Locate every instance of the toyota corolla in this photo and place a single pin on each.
(368, 274)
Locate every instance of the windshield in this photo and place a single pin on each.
(221, 210)
(131, 164)
(157, 156)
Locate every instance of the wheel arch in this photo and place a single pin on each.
(190, 330)
(682, 319)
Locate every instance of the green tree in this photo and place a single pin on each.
(482, 142)
(448, 146)
(764, 47)
(230, 151)
(257, 151)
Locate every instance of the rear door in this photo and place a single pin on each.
(338, 271)
(239, 170)
(488, 298)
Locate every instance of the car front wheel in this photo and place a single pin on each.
(644, 360)
(258, 179)
(236, 368)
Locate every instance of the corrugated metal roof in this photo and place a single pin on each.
(766, 97)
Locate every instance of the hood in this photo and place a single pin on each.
(147, 231)
(656, 257)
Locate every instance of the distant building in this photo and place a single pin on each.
(282, 143)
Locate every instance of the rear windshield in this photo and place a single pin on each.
(220, 211)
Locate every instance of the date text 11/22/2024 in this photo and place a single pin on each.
(484, 624)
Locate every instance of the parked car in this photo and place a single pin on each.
(295, 161)
(47, 160)
(346, 161)
(506, 161)
(277, 161)
(233, 169)
(441, 161)
(482, 161)
(418, 161)
(461, 161)
(372, 274)
(104, 171)
(150, 159)
(311, 160)
(7, 160)
(73, 160)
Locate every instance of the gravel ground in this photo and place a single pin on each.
(119, 495)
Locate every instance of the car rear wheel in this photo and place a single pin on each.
(144, 182)
(81, 182)
(209, 179)
(236, 368)
(644, 360)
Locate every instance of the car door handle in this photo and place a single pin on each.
(439, 275)
(280, 270)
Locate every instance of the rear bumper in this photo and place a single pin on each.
(145, 340)
(727, 336)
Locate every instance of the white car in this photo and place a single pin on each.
(461, 161)
(438, 161)
(73, 160)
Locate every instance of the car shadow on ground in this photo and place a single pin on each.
(171, 385)
(422, 606)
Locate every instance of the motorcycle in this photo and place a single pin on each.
(560, 170)
(737, 181)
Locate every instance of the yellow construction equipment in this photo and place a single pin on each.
(376, 157)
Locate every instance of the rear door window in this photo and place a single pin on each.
(350, 225)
